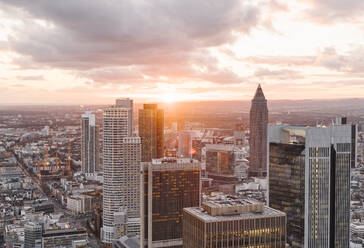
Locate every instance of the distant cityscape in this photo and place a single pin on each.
(118, 176)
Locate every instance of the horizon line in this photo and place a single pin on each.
(176, 102)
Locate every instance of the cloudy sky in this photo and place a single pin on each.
(90, 52)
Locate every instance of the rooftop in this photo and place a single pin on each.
(231, 208)
(172, 164)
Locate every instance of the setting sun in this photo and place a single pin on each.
(171, 97)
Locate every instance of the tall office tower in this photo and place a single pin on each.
(309, 180)
(354, 141)
(89, 143)
(167, 186)
(258, 134)
(231, 222)
(184, 143)
(33, 235)
(131, 183)
(151, 131)
(127, 104)
(117, 125)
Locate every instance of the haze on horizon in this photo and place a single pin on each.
(91, 52)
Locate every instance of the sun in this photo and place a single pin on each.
(170, 97)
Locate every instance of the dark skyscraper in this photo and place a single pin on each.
(309, 180)
(287, 187)
(90, 143)
(151, 131)
(167, 186)
(258, 134)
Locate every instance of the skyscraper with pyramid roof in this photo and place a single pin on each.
(258, 134)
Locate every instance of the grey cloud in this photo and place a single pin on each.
(330, 11)
(90, 34)
(350, 62)
(113, 75)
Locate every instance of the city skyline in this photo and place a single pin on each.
(182, 124)
(153, 53)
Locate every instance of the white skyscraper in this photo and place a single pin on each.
(90, 143)
(117, 125)
(131, 183)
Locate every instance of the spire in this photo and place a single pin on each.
(259, 95)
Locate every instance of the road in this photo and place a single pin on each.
(37, 183)
(80, 219)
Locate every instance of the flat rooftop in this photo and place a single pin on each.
(228, 202)
(229, 209)
(172, 164)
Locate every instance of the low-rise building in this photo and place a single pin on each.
(63, 237)
(233, 222)
(79, 204)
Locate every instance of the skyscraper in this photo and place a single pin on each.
(167, 186)
(184, 143)
(131, 183)
(151, 131)
(354, 141)
(309, 180)
(258, 134)
(117, 125)
(90, 143)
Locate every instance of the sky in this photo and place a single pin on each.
(91, 52)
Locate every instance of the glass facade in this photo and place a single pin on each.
(172, 190)
(326, 158)
(253, 231)
(318, 197)
(89, 143)
(151, 131)
(287, 187)
(342, 196)
(220, 162)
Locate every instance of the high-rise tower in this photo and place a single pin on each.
(90, 143)
(167, 187)
(117, 125)
(151, 131)
(309, 180)
(130, 186)
(258, 134)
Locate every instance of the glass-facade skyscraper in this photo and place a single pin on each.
(151, 132)
(167, 187)
(287, 185)
(89, 143)
(309, 180)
